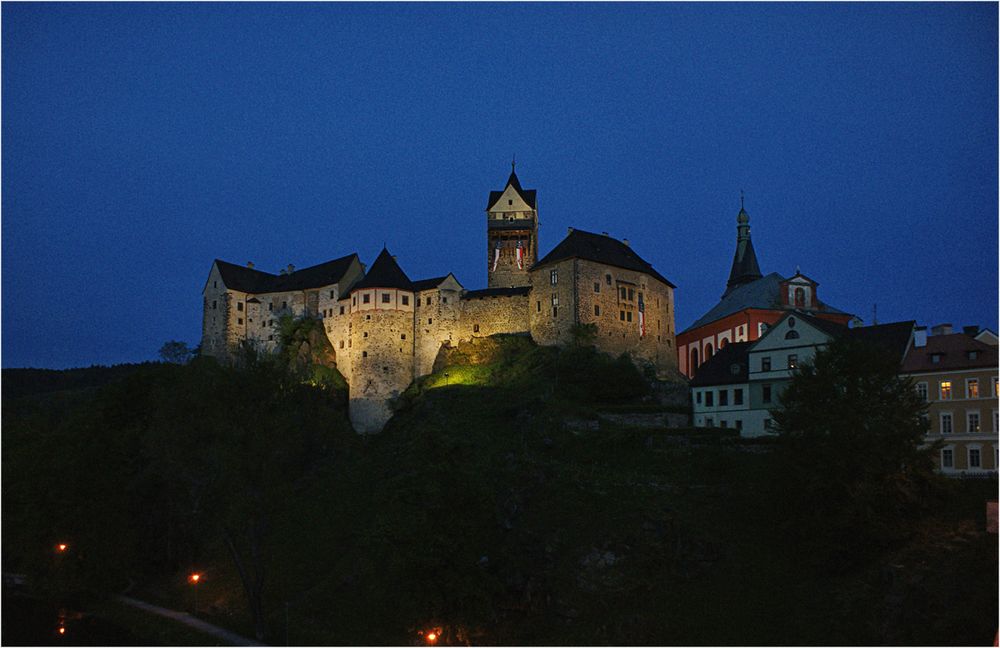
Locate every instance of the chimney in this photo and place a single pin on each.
(971, 331)
(919, 337)
(625, 241)
(291, 269)
(250, 264)
(941, 329)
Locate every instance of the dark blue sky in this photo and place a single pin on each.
(141, 141)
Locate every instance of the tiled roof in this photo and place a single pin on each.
(250, 280)
(528, 195)
(764, 293)
(893, 337)
(954, 354)
(602, 249)
(718, 370)
(427, 284)
(496, 292)
(384, 273)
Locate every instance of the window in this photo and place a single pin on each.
(341, 344)
(739, 424)
(710, 399)
(947, 458)
(996, 421)
(973, 355)
(996, 387)
(738, 396)
(621, 315)
(554, 277)
(723, 398)
(597, 310)
(946, 427)
(945, 391)
(800, 297)
(270, 306)
(333, 294)
(386, 297)
(402, 336)
(697, 397)
(341, 310)
(622, 293)
(793, 360)
(631, 294)
(922, 391)
(239, 306)
(972, 422)
(607, 279)
(213, 304)
(792, 335)
(766, 393)
(975, 458)
(444, 300)
(765, 363)
(597, 286)
(427, 302)
(368, 317)
(364, 354)
(215, 284)
(972, 388)
(406, 300)
(354, 300)
(366, 298)
(475, 328)
(628, 316)
(722, 423)
(430, 320)
(365, 334)
(284, 304)
(709, 421)
(239, 320)
(935, 358)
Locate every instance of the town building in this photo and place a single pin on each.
(956, 373)
(750, 303)
(386, 329)
(740, 385)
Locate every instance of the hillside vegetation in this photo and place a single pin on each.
(482, 513)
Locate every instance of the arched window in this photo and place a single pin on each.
(694, 361)
(800, 297)
(792, 335)
(708, 352)
(722, 344)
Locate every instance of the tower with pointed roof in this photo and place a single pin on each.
(745, 268)
(511, 234)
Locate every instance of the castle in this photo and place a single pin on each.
(386, 329)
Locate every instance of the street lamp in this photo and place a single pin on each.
(194, 579)
(62, 547)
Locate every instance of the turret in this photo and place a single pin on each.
(511, 234)
(745, 268)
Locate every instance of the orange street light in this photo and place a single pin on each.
(432, 637)
(194, 578)
(62, 547)
(62, 630)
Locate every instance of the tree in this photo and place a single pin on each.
(176, 352)
(851, 433)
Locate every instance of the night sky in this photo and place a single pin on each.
(141, 141)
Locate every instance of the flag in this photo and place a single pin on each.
(642, 317)
(520, 255)
(496, 255)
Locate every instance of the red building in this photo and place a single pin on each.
(751, 302)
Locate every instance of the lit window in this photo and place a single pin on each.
(793, 360)
(972, 422)
(765, 363)
(975, 458)
(946, 426)
(947, 458)
(972, 388)
(554, 277)
(922, 391)
(996, 387)
(945, 390)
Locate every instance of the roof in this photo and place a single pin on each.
(828, 327)
(496, 292)
(527, 195)
(954, 354)
(893, 337)
(384, 273)
(427, 284)
(745, 267)
(764, 293)
(249, 280)
(718, 370)
(579, 244)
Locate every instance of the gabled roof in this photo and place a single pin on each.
(527, 195)
(953, 350)
(764, 293)
(830, 328)
(384, 273)
(496, 292)
(579, 244)
(427, 284)
(249, 280)
(893, 337)
(718, 370)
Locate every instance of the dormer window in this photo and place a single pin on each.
(936, 358)
(973, 355)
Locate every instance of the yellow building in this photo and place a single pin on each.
(957, 376)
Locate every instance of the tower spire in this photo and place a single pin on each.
(745, 268)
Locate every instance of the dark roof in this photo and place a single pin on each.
(831, 328)
(745, 268)
(527, 195)
(764, 293)
(893, 337)
(250, 280)
(384, 273)
(496, 292)
(427, 284)
(718, 370)
(954, 351)
(602, 249)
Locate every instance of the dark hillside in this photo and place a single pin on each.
(27, 382)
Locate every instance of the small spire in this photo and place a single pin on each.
(513, 161)
(741, 199)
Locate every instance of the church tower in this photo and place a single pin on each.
(745, 268)
(511, 234)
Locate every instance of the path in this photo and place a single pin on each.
(231, 638)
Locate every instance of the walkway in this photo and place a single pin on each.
(230, 638)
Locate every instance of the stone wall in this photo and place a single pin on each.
(485, 316)
(437, 320)
(382, 366)
(551, 305)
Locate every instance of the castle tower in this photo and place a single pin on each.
(745, 268)
(511, 234)
(381, 332)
